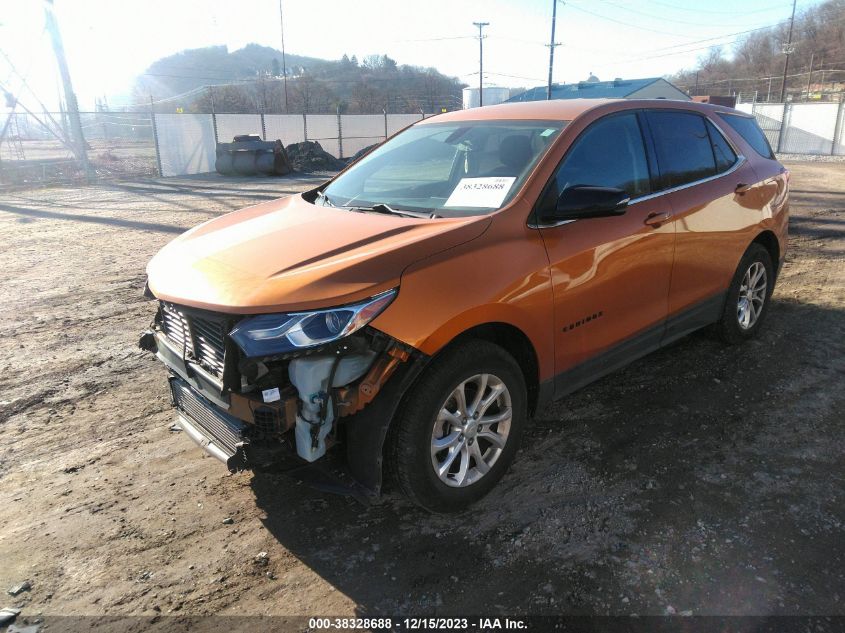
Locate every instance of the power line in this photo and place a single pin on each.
(659, 17)
(706, 39)
(516, 39)
(435, 39)
(206, 77)
(633, 26)
(730, 12)
(490, 72)
(765, 78)
(711, 40)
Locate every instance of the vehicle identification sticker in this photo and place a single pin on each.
(271, 395)
(480, 192)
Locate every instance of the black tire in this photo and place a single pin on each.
(728, 328)
(409, 447)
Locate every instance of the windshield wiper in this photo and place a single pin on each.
(383, 208)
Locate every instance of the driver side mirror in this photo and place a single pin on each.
(585, 201)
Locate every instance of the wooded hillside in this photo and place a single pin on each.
(251, 79)
(818, 39)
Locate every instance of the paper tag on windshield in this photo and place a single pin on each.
(271, 395)
(480, 192)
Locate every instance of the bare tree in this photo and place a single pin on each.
(311, 95)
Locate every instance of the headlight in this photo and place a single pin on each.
(269, 334)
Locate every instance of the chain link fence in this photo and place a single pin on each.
(187, 142)
(801, 128)
(36, 147)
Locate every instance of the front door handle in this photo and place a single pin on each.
(656, 219)
(742, 188)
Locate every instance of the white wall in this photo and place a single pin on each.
(231, 125)
(187, 146)
(288, 128)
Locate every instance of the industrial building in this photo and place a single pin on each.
(593, 88)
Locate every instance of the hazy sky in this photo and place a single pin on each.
(109, 42)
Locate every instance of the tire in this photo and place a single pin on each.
(738, 325)
(411, 455)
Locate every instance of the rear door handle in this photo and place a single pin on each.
(742, 188)
(656, 219)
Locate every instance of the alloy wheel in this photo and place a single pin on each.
(471, 430)
(752, 295)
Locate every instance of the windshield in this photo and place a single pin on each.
(446, 169)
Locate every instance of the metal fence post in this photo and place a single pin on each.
(339, 135)
(837, 127)
(784, 122)
(384, 110)
(155, 136)
(213, 116)
(305, 126)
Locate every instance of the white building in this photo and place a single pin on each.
(492, 96)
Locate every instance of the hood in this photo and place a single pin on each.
(289, 254)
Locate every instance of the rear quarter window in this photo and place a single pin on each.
(722, 151)
(748, 129)
(683, 146)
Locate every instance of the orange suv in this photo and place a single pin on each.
(407, 317)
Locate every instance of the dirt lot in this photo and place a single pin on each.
(44, 162)
(702, 479)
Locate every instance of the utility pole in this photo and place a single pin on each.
(810, 75)
(821, 68)
(480, 26)
(263, 94)
(551, 46)
(70, 97)
(284, 62)
(788, 49)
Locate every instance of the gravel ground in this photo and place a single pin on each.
(810, 158)
(702, 479)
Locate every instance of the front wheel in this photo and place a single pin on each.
(459, 428)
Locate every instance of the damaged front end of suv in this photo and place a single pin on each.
(281, 390)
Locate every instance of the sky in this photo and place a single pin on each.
(108, 43)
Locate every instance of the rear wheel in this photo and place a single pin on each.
(748, 296)
(460, 427)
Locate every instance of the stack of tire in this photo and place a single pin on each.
(248, 155)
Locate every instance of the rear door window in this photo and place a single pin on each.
(609, 153)
(683, 147)
(748, 129)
